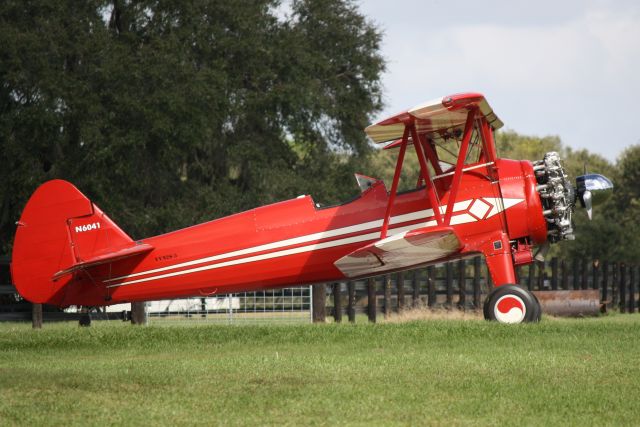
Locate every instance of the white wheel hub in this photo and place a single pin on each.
(510, 309)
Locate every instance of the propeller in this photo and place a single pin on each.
(593, 189)
(559, 196)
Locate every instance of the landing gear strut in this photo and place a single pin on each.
(512, 304)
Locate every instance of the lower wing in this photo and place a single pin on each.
(400, 251)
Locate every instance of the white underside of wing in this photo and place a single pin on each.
(399, 251)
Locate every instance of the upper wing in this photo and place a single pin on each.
(400, 250)
(442, 114)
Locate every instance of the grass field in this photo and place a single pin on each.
(436, 372)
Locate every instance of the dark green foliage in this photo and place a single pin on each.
(167, 113)
(622, 212)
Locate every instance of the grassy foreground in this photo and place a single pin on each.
(453, 372)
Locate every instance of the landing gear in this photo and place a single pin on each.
(512, 304)
(85, 319)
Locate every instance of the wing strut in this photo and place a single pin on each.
(462, 155)
(431, 154)
(394, 185)
(487, 139)
(433, 197)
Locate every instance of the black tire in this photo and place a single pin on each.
(516, 305)
(538, 309)
(85, 320)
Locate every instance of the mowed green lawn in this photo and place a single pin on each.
(436, 372)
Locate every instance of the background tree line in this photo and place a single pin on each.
(168, 113)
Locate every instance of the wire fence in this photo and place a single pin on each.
(285, 305)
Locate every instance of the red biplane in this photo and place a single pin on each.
(466, 202)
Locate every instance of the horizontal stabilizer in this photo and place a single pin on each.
(401, 250)
(105, 258)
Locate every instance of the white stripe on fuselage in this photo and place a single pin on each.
(302, 239)
(427, 213)
(292, 251)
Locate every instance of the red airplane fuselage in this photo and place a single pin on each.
(296, 242)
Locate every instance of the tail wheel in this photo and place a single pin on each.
(512, 304)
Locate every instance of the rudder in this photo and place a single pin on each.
(60, 228)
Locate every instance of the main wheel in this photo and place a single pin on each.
(512, 304)
(85, 319)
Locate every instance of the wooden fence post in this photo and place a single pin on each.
(449, 283)
(319, 293)
(371, 300)
(615, 273)
(540, 279)
(36, 316)
(337, 302)
(518, 271)
(462, 285)
(416, 288)
(138, 313)
(632, 288)
(387, 296)
(622, 288)
(636, 277)
(605, 283)
(203, 307)
(531, 275)
(585, 274)
(431, 286)
(400, 287)
(477, 271)
(351, 306)
(554, 274)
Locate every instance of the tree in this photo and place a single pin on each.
(511, 145)
(167, 113)
(623, 210)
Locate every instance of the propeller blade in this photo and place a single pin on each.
(593, 189)
(588, 205)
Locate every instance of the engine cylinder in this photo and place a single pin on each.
(558, 197)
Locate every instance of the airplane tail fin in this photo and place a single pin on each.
(62, 231)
